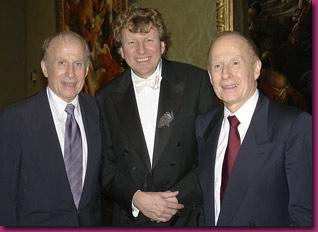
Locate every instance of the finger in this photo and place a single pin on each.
(174, 205)
(166, 217)
(169, 194)
(172, 199)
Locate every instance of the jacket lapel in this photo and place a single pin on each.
(44, 129)
(207, 151)
(93, 153)
(126, 106)
(250, 159)
(171, 92)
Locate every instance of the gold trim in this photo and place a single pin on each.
(224, 15)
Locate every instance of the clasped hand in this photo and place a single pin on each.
(157, 206)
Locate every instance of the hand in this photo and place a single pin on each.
(157, 206)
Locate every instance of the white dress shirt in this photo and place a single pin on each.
(57, 106)
(147, 102)
(244, 115)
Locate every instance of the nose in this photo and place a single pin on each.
(141, 48)
(70, 71)
(226, 72)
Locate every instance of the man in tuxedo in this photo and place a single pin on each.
(255, 155)
(49, 155)
(147, 122)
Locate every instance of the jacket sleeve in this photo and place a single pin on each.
(298, 166)
(10, 166)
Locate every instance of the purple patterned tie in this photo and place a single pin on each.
(73, 154)
(232, 148)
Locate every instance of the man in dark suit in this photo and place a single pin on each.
(267, 181)
(45, 181)
(147, 123)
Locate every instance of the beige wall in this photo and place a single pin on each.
(13, 50)
(40, 18)
(24, 26)
(192, 25)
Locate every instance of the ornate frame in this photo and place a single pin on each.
(106, 63)
(224, 15)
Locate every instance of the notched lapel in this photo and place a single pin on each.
(91, 131)
(47, 141)
(250, 159)
(207, 153)
(169, 103)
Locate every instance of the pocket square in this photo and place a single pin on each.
(166, 119)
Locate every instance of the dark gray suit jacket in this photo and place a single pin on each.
(185, 91)
(34, 189)
(271, 179)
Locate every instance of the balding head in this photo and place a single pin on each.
(234, 68)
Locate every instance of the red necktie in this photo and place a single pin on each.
(231, 151)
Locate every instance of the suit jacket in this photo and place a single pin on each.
(185, 91)
(271, 179)
(34, 188)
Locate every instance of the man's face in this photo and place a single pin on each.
(233, 71)
(65, 68)
(142, 51)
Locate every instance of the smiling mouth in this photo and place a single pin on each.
(143, 59)
(68, 85)
(229, 86)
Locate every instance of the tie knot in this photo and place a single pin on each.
(234, 122)
(70, 109)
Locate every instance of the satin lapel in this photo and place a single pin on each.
(47, 140)
(126, 106)
(250, 159)
(207, 155)
(93, 153)
(171, 92)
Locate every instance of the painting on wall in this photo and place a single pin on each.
(92, 19)
(282, 31)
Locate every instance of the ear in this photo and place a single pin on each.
(163, 47)
(122, 52)
(86, 71)
(257, 69)
(44, 68)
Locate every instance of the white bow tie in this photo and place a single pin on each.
(141, 83)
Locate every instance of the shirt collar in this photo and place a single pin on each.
(244, 113)
(60, 104)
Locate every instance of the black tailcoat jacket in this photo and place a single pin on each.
(185, 90)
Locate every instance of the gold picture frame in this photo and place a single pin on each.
(224, 15)
(92, 19)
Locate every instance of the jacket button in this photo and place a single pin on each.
(172, 164)
(126, 150)
(178, 144)
(134, 168)
(165, 182)
(145, 185)
(252, 223)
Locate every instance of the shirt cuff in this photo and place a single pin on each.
(135, 211)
